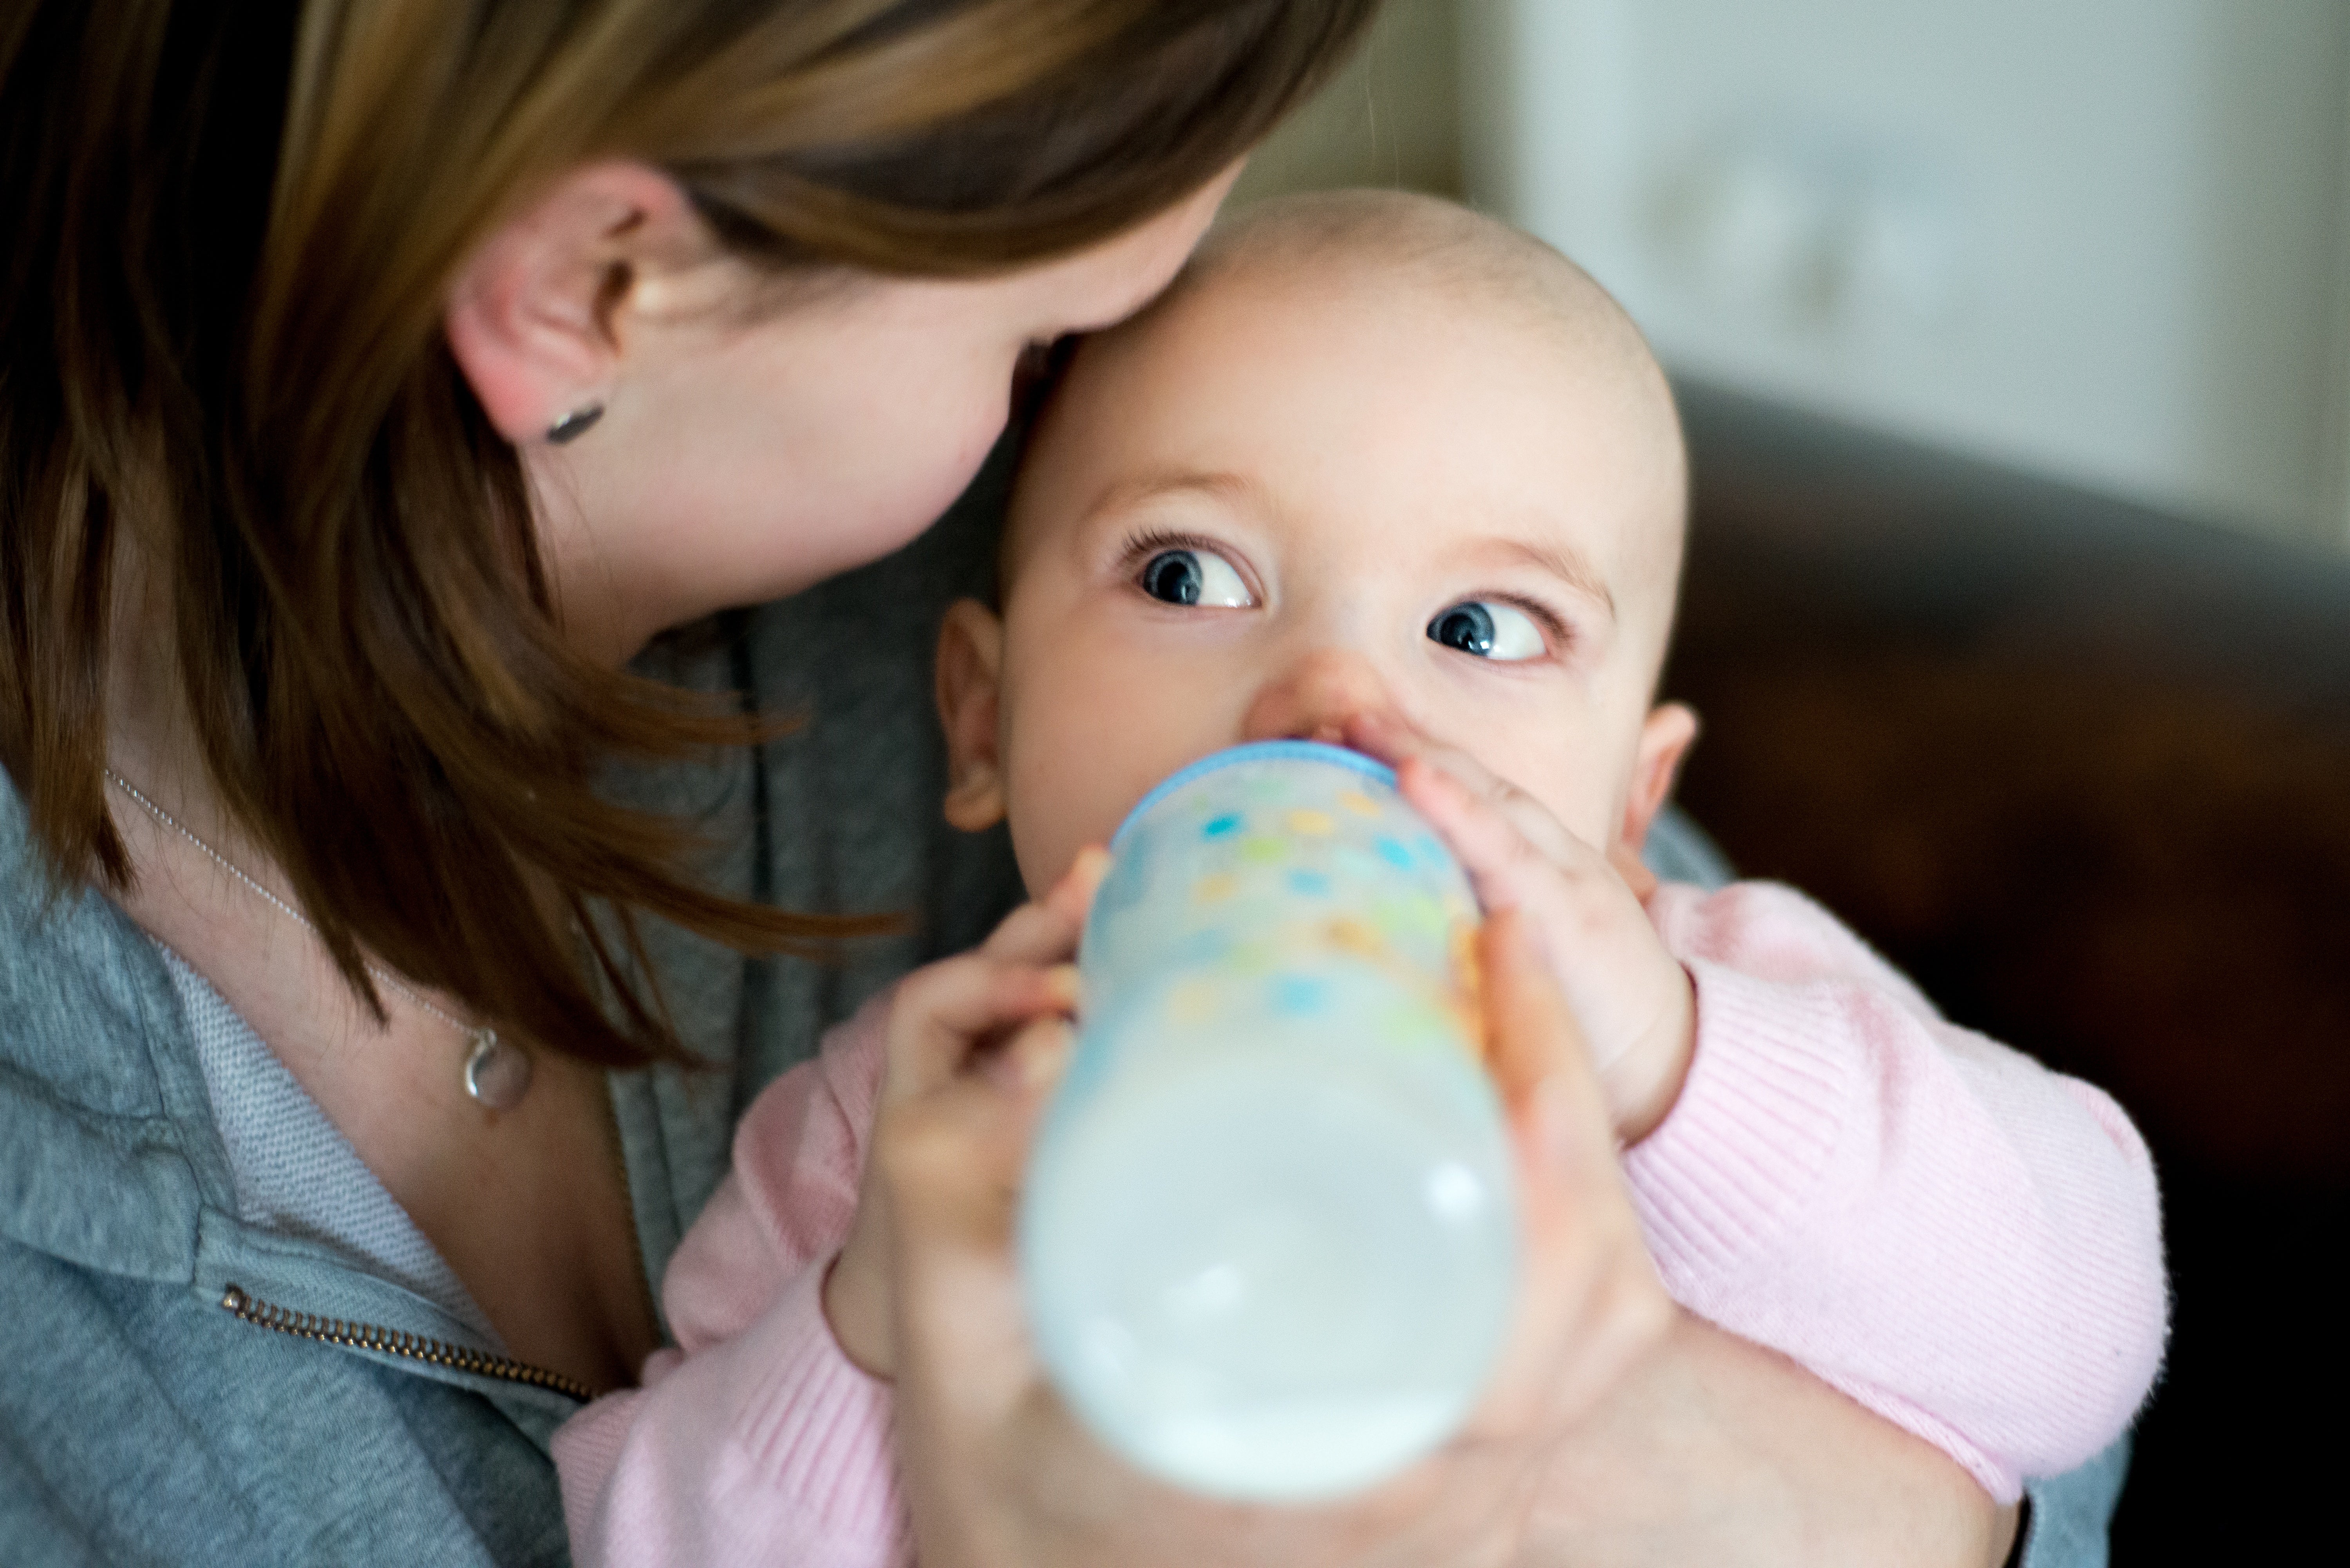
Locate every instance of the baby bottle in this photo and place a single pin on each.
(1268, 1237)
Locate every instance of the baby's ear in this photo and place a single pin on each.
(969, 664)
(1665, 740)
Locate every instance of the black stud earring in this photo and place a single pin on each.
(575, 424)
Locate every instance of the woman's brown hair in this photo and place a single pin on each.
(231, 226)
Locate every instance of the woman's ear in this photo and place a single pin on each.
(1665, 740)
(537, 315)
(969, 669)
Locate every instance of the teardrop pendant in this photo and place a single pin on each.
(497, 1074)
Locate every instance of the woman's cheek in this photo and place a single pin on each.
(941, 460)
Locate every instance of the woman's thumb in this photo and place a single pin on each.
(1535, 1051)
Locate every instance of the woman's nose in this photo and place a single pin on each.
(1315, 697)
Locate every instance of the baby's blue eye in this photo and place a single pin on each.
(1194, 577)
(1488, 630)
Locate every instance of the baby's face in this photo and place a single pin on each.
(1282, 500)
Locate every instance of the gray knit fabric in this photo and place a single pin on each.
(295, 1174)
(1678, 850)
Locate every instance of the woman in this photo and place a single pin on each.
(376, 381)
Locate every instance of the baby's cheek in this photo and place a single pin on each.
(1057, 803)
(1032, 810)
(1095, 715)
(1586, 791)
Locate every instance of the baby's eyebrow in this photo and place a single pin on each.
(1564, 562)
(1231, 490)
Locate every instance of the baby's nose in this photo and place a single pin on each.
(1315, 697)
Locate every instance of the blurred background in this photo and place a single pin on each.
(2013, 342)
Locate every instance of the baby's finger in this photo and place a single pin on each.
(1047, 930)
(1074, 893)
(1479, 788)
(1412, 754)
(1035, 933)
(1492, 850)
(1397, 744)
(944, 1010)
(1035, 1056)
(1507, 870)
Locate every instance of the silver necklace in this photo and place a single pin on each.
(497, 1074)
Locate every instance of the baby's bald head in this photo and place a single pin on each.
(1418, 252)
(1381, 240)
(1396, 237)
(1370, 454)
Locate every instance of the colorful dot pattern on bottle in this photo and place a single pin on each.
(1236, 891)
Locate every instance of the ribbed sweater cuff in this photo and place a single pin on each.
(820, 1430)
(1772, 1081)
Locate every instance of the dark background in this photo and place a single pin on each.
(2083, 771)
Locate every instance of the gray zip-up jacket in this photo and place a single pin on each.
(184, 1381)
(185, 1378)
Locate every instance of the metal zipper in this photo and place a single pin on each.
(391, 1342)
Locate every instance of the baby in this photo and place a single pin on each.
(1380, 472)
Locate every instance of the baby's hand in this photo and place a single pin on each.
(1632, 997)
(1001, 1010)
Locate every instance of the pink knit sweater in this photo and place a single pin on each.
(1962, 1241)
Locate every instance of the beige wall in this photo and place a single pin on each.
(1391, 119)
(2104, 239)
(2136, 232)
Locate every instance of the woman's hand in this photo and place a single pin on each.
(1620, 1430)
(1716, 1450)
(997, 1013)
(1632, 999)
(996, 1471)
